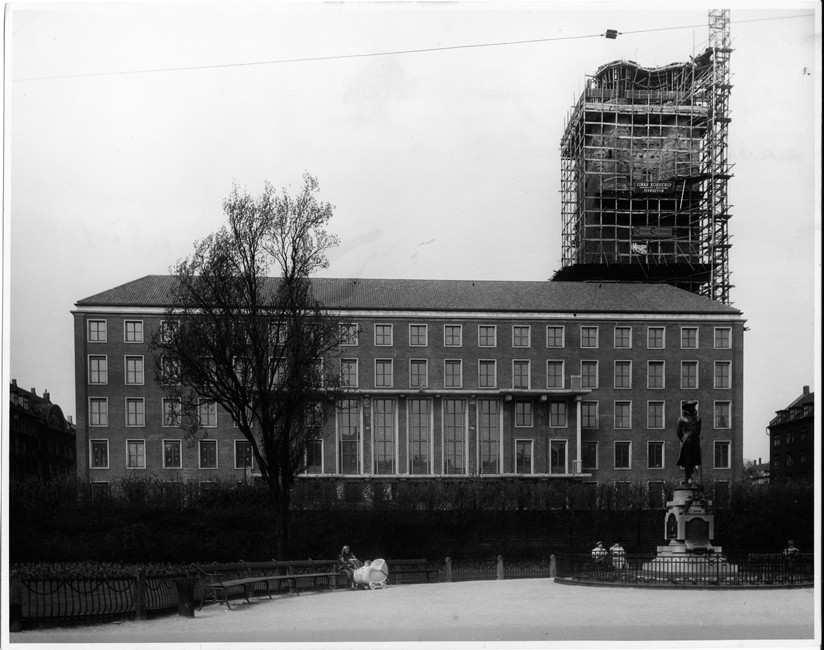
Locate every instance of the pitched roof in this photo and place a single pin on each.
(454, 295)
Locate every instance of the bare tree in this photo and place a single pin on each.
(244, 332)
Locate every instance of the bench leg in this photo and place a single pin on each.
(226, 598)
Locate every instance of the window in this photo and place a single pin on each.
(135, 412)
(419, 435)
(557, 414)
(521, 336)
(98, 369)
(489, 435)
(655, 374)
(348, 334)
(207, 454)
(623, 415)
(454, 436)
(349, 373)
(418, 373)
(655, 338)
(721, 454)
(168, 329)
(383, 373)
(723, 338)
(656, 495)
(136, 454)
(523, 457)
(589, 455)
(655, 415)
(623, 337)
(383, 335)
(589, 336)
(98, 412)
(453, 336)
(802, 456)
(134, 371)
(623, 454)
(523, 413)
(99, 454)
(655, 454)
(555, 336)
(689, 338)
(722, 415)
(554, 374)
(788, 460)
(520, 374)
(723, 377)
(589, 374)
(133, 331)
(171, 412)
(453, 373)
(97, 331)
(172, 458)
(689, 374)
(558, 457)
(589, 415)
(169, 370)
(243, 454)
(487, 336)
(418, 335)
(487, 373)
(623, 374)
(383, 429)
(349, 436)
(314, 457)
(207, 414)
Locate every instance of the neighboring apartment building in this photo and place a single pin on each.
(41, 440)
(792, 440)
(557, 379)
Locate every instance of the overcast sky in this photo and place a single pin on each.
(126, 125)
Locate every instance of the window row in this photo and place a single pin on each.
(522, 370)
(171, 453)
(135, 413)
(521, 336)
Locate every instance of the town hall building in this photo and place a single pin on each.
(564, 380)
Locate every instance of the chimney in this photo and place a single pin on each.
(46, 396)
(72, 422)
(33, 391)
(14, 383)
(806, 390)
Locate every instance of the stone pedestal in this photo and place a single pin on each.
(690, 554)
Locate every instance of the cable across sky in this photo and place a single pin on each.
(422, 50)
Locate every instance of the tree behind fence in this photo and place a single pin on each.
(146, 520)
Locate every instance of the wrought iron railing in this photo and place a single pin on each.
(733, 569)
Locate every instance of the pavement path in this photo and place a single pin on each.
(507, 611)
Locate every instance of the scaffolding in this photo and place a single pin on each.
(644, 173)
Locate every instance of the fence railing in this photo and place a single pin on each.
(45, 602)
(736, 568)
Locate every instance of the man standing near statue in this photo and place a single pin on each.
(689, 433)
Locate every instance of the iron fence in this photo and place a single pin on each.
(733, 569)
(48, 602)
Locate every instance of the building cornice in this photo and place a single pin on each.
(456, 315)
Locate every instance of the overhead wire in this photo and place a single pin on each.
(333, 57)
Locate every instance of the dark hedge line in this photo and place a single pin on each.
(145, 520)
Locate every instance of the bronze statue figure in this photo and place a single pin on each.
(689, 433)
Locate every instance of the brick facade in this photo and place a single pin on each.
(438, 387)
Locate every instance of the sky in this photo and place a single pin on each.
(433, 128)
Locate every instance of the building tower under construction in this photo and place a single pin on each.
(644, 173)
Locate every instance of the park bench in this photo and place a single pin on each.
(414, 568)
(219, 581)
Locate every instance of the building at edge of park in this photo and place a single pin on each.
(486, 378)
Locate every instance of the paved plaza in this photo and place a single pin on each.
(511, 613)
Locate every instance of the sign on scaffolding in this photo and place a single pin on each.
(652, 232)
